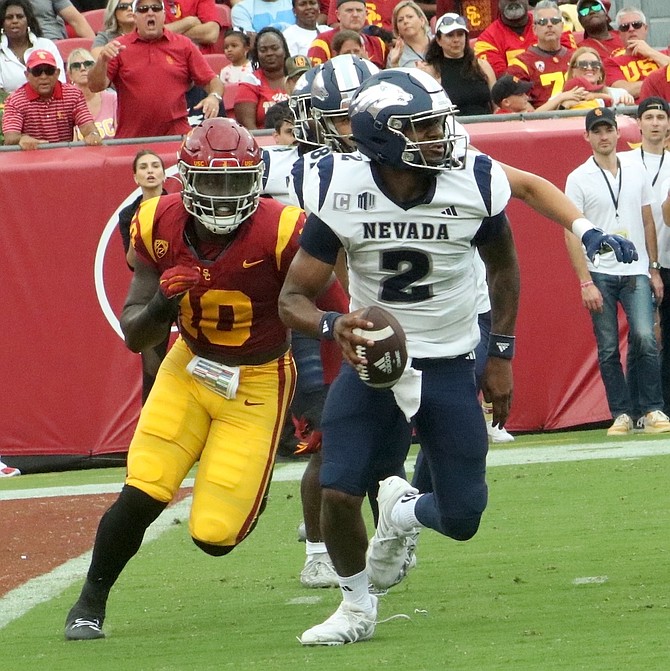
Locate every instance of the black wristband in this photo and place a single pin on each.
(501, 346)
(327, 325)
(161, 308)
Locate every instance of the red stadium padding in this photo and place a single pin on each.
(72, 389)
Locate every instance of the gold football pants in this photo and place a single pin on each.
(235, 441)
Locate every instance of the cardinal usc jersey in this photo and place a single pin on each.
(414, 260)
(233, 309)
(546, 72)
(622, 66)
(499, 44)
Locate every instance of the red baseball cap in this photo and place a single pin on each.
(583, 82)
(40, 57)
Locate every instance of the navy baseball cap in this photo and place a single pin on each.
(600, 115)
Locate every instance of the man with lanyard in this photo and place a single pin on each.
(653, 118)
(621, 205)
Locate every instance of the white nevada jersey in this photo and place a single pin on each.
(415, 262)
(278, 160)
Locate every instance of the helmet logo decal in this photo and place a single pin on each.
(376, 98)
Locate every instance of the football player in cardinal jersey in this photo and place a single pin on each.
(214, 258)
(408, 210)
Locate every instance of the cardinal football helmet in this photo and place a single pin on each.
(332, 90)
(221, 167)
(300, 103)
(390, 109)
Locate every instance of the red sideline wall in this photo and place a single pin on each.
(71, 387)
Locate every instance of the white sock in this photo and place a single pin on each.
(315, 548)
(354, 590)
(402, 514)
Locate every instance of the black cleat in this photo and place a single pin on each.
(81, 626)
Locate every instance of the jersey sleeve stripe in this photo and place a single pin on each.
(266, 171)
(482, 173)
(145, 216)
(285, 230)
(325, 168)
(297, 176)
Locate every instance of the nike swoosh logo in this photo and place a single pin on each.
(248, 402)
(249, 264)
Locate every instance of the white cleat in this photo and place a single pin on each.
(347, 624)
(388, 557)
(319, 572)
(497, 434)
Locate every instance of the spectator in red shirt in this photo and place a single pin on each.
(151, 70)
(267, 85)
(379, 13)
(352, 15)
(545, 63)
(657, 84)
(43, 110)
(197, 19)
(627, 68)
(509, 35)
(598, 33)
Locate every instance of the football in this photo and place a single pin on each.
(388, 356)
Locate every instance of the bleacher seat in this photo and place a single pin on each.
(66, 47)
(95, 18)
(217, 61)
(226, 22)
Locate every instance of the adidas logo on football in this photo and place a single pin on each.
(385, 365)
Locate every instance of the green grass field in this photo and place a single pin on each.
(569, 571)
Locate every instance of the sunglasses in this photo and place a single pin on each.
(123, 5)
(554, 20)
(635, 25)
(593, 9)
(449, 21)
(143, 9)
(587, 65)
(40, 70)
(82, 65)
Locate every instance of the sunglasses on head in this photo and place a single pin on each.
(593, 9)
(554, 20)
(450, 20)
(588, 65)
(124, 5)
(82, 65)
(40, 70)
(635, 25)
(143, 9)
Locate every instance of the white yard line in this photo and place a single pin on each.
(45, 587)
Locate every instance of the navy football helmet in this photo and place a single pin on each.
(388, 112)
(300, 103)
(332, 91)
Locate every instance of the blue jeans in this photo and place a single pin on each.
(644, 393)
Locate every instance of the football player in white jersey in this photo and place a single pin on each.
(279, 159)
(408, 214)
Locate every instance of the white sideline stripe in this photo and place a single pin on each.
(19, 601)
(516, 456)
(49, 585)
